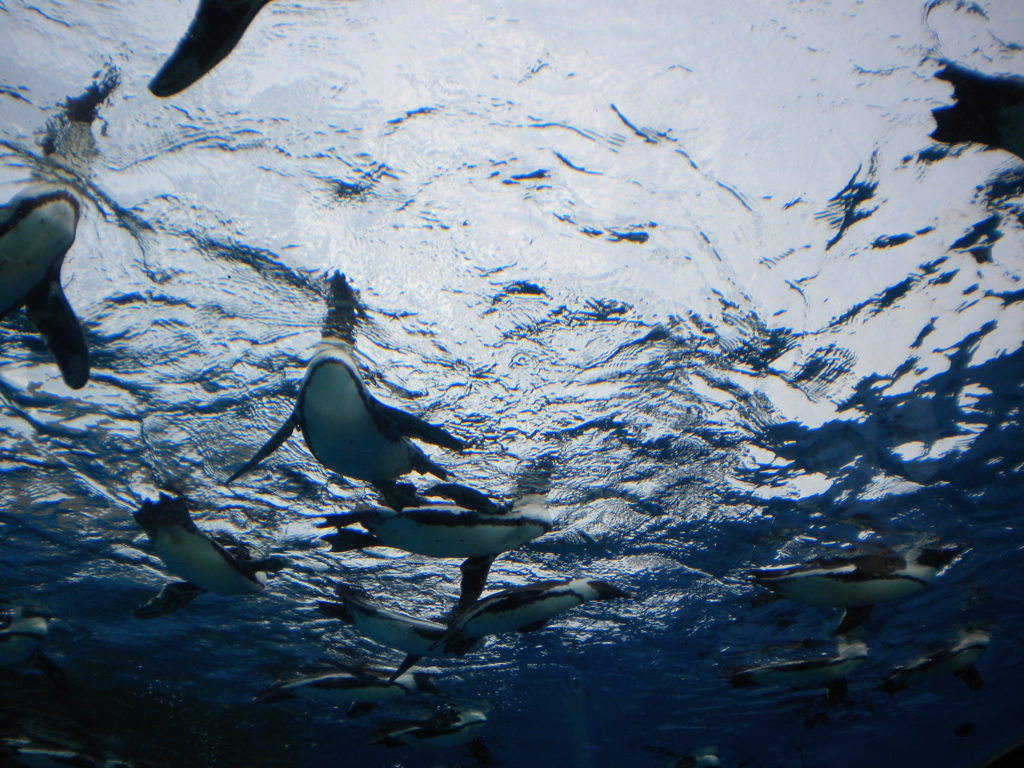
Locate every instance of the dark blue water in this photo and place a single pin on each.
(706, 258)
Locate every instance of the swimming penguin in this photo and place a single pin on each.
(957, 659)
(856, 583)
(829, 673)
(206, 564)
(449, 726)
(51, 743)
(22, 632)
(215, 30)
(469, 526)
(521, 609)
(415, 637)
(989, 110)
(359, 687)
(348, 430)
(37, 227)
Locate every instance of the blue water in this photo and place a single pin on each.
(704, 255)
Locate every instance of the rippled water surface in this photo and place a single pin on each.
(703, 255)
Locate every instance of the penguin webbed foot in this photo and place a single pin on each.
(276, 441)
(172, 597)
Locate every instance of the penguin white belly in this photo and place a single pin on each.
(954, 663)
(492, 623)
(342, 434)
(818, 590)
(29, 248)
(16, 647)
(456, 539)
(196, 560)
(397, 634)
(803, 677)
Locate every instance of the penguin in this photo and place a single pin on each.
(415, 637)
(206, 564)
(215, 30)
(37, 227)
(359, 687)
(957, 659)
(521, 609)
(346, 428)
(469, 526)
(41, 745)
(22, 632)
(449, 726)
(988, 110)
(830, 672)
(856, 583)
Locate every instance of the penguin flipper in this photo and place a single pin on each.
(853, 617)
(407, 663)
(893, 684)
(474, 576)
(214, 32)
(835, 691)
(480, 752)
(345, 540)
(53, 673)
(48, 310)
(268, 448)
(360, 709)
(971, 677)
(338, 611)
(171, 598)
(468, 498)
(408, 425)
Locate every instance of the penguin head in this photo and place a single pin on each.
(605, 591)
